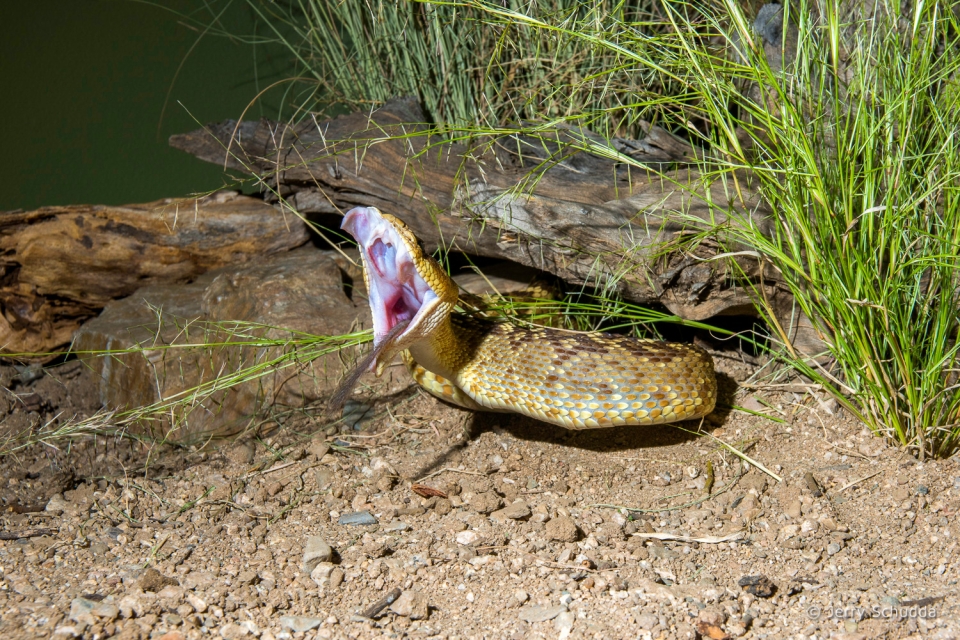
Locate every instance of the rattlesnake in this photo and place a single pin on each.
(572, 379)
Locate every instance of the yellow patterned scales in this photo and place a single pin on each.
(575, 380)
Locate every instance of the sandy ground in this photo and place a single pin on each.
(486, 525)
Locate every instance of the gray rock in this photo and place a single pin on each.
(356, 414)
(833, 548)
(315, 551)
(324, 476)
(300, 291)
(395, 526)
(515, 511)
(321, 574)
(647, 621)
(357, 518)
(411, 604)
(564, 622)
(540, 613)
(318, 448)
(81, 610)
(106, 610)
(300, 623)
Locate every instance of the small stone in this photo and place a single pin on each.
(321, 574)
(246, 578)
(300, 624)
(315, 551)
(171, 593)
(712, 618)
(199, 580)
(395, 526)
(57, 505)
(106, 610)
(325, 477)
(833, 548)
(241, 453)
(411, 604)
(81, 610)
(760, 586)
(231, 631)
(356, 414)
(521, 596)
(793, 509)
(198, 604)
(153, 580)
(564, 623)
(517, 510)
(485, 502)
(647, 621)
(357, 518)
(130, 606)
(540, 613)
(562, 529)
(336, 578)
(467, 537)
(318, 448)
(922, 490)
(274, 488)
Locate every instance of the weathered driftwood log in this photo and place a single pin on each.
(59, 266)
(554, 206)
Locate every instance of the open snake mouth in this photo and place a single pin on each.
(398, 294)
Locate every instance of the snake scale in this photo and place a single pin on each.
(575, 380)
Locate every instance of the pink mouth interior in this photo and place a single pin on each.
(397, 292)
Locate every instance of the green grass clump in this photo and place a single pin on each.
(854, 143)
(860, 158)
(467, 67)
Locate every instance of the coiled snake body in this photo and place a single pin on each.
(575, 380)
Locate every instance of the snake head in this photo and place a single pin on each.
(404, 284)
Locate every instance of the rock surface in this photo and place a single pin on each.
(281, 297)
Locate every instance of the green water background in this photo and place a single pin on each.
(84, 86)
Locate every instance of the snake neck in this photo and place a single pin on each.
(450, 346)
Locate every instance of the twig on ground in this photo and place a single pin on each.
(856, 482)
(378, 606)
(26, 533)
(706, 539)
(450, 469)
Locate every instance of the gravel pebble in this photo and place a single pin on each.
(357, 518)
(315, 551)
(562, 529)
(300, 623)
(540, 613)
(411, 604)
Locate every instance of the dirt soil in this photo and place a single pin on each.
(487, 525)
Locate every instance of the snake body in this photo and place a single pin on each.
(575, 380)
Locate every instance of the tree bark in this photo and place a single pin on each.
(590, 220)
(59, 266)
